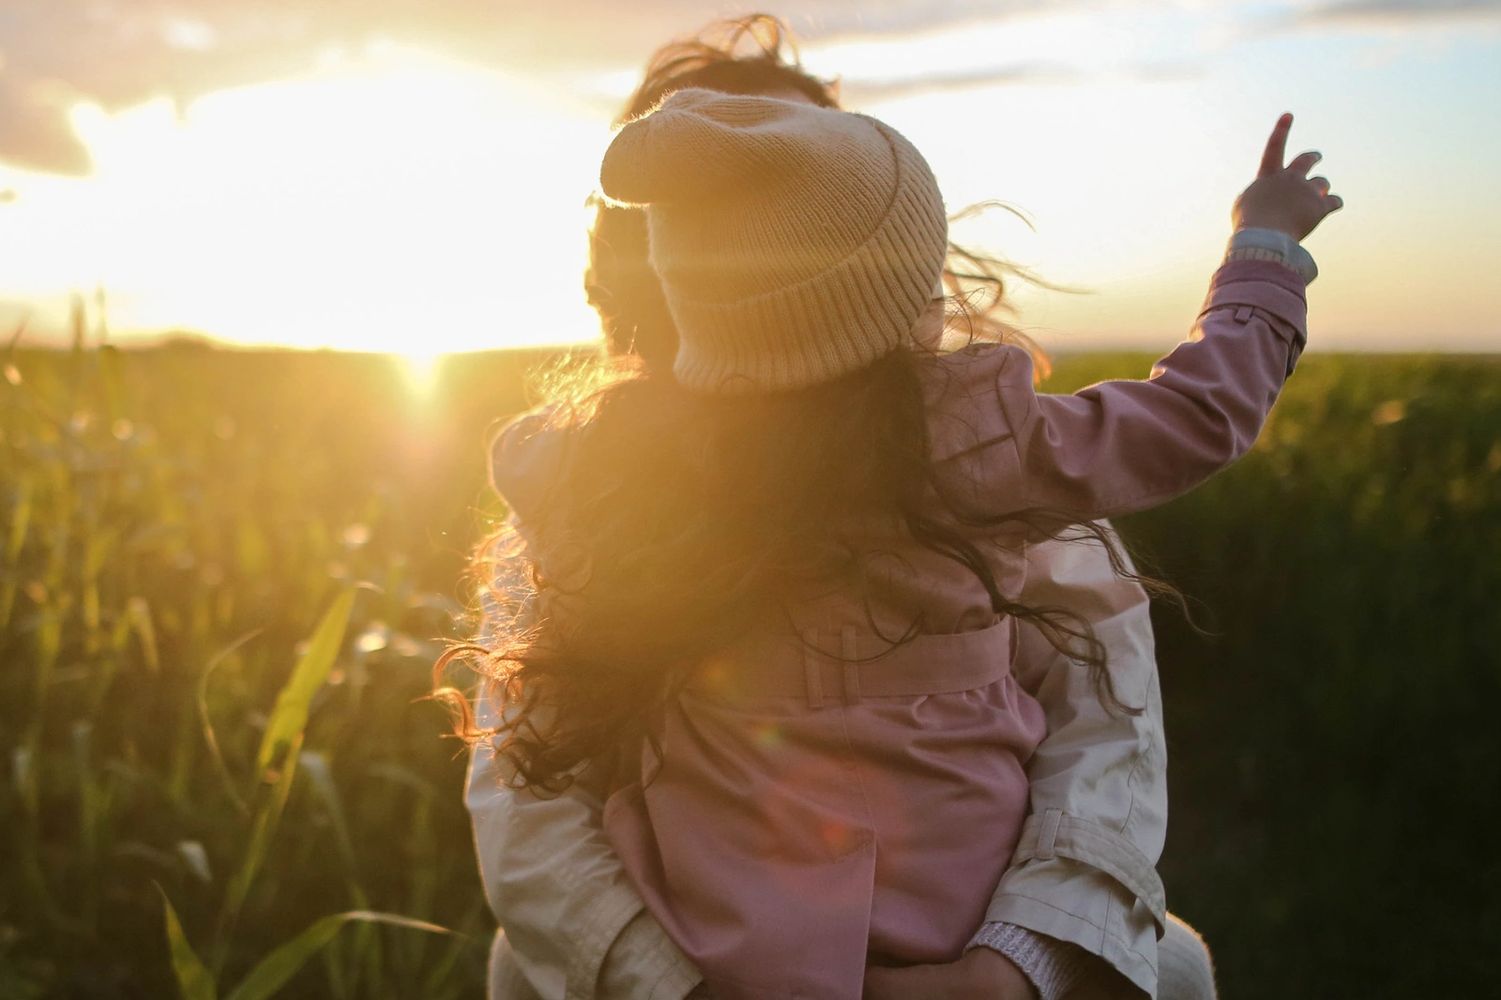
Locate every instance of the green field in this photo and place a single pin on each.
(175, 523)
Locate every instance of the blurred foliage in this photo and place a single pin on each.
(1334, 756)
(175, 523)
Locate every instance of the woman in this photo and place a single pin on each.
(1080, 909)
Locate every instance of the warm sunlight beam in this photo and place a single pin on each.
(421, 369)
(394, 203)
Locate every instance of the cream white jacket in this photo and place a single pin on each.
(1084, 872)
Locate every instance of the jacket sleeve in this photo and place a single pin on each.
(572, 924)
(1084, 870)
(1123, 446)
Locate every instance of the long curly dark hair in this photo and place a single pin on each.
(681, 520)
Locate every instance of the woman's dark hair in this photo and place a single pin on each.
(681, 520)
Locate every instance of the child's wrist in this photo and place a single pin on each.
(1259, 243)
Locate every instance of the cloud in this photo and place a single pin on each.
(1391, 13)
(831, 19)
(117, 53)
(870, 90)
(34, 131)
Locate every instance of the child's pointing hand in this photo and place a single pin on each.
(1285, 198)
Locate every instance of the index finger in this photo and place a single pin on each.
(1276, 146)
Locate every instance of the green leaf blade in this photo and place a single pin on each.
(193, 978)
(276, 969)
(290, 714)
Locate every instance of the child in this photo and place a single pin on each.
(829, 683)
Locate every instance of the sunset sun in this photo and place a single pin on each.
(395, 202)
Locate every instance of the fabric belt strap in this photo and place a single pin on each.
(825, 666)
(1055, 834)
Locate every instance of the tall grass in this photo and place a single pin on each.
(222, 579)
(173, 525)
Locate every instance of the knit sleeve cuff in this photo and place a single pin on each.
(1053, 967)
(1269, 244)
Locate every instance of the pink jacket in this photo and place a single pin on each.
(821, 817)
(573, 926)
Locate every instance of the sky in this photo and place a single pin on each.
(411, 175)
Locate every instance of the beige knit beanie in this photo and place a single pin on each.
(794, 243)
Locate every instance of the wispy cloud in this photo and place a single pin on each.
(1385, 13)
(862, 90)
(117, 53)
(840, 19)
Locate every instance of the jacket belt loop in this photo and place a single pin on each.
(1047, 837)
(812, 669)
(851, 667)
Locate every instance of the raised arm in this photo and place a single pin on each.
(1122, 446)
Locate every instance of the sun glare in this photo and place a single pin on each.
(398, 202)
(421, 370)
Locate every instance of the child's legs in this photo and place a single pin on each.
(1184, 969)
